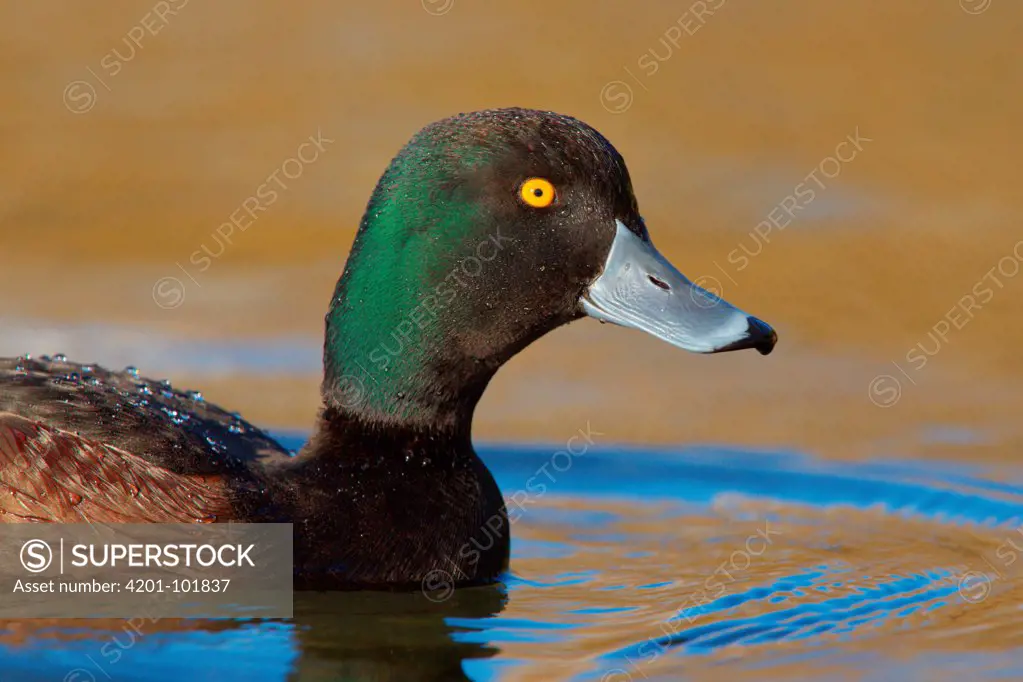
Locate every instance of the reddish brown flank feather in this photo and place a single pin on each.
(51, 475)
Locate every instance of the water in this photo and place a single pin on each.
(634, 564)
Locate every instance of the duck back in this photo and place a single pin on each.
(82, 443)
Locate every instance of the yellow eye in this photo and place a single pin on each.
(537, 192)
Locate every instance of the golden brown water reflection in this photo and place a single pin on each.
(116, 167)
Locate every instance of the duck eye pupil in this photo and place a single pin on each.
(537, 192)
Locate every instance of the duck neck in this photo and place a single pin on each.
(395, 374)
(392, 360)
(346, 431)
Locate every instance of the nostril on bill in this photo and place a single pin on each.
(658, 282)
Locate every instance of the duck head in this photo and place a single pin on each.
(487, 231)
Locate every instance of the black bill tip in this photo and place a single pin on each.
(759, 335)
(762, 336)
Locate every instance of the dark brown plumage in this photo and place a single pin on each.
(389, 491)
(80, 443)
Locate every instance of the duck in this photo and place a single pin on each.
(485, 232)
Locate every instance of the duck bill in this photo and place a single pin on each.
(639, 288)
